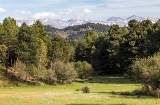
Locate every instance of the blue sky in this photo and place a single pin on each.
(78, 9)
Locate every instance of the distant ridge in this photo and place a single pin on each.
(57, 23)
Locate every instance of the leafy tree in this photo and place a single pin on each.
(65, 72)
(84, 69)
(91, 36)
(41, 58)
(147, 70)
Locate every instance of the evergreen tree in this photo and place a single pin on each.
(61, 49)
(41, 58)
(27, 45)
(10, 40)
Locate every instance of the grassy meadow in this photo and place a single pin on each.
(104, 90)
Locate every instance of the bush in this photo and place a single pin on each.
(20, 71)
(51, 77)
(86, 89)
(147, 70)
(84, 69)
(157, 93)
(65, 72)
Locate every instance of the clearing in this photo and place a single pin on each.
(104, 90)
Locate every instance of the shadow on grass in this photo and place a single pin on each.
(96, 104)
(127, 94)
(112, 80)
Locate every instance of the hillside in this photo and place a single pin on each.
(77, 31)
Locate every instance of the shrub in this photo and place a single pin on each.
(65, 72)
(86, 89)
(84, 69)
(20, 71)
(157, 93)
(147, 70)
(51, 77)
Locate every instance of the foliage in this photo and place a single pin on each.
(109, 51)
(50, 77)
(85, 48)
(27, 45)
(84, 69)
(108, 55)
(9, 38)
(3, 50)
(147, 70)
(61, 49)
(82, 52)
(86, 89)
(41, 57)
(21, 71)
(116, 51)
(65, 72)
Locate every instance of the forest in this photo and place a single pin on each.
(29, 55)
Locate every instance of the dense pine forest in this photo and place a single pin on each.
(28, 54)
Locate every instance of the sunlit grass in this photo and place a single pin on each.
(101, 93)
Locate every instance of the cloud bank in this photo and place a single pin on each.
(2, 10)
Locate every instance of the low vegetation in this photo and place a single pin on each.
(104, 90)
(147, 70)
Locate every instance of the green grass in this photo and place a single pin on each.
(106, 90)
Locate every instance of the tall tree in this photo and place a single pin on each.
(41, 57)
(27, 44)
(10, 39)
(86, 48)
(61, 49)
(40, 33)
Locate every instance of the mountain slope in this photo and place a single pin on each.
(76, 31)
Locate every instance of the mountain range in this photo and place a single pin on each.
(60, 24)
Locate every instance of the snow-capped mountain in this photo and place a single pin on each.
(62, 24)
(136, 17)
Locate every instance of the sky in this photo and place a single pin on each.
(78, 9)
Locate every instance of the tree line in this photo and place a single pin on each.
(28, 54)
(32, 53)
(114, 51)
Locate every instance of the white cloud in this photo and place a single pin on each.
(80, 15)
(87, 11)
(2, 10)
(22, 12)
(44, 15)
(68, 12)
(65, 13)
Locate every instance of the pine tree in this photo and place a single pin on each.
(10, 40)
